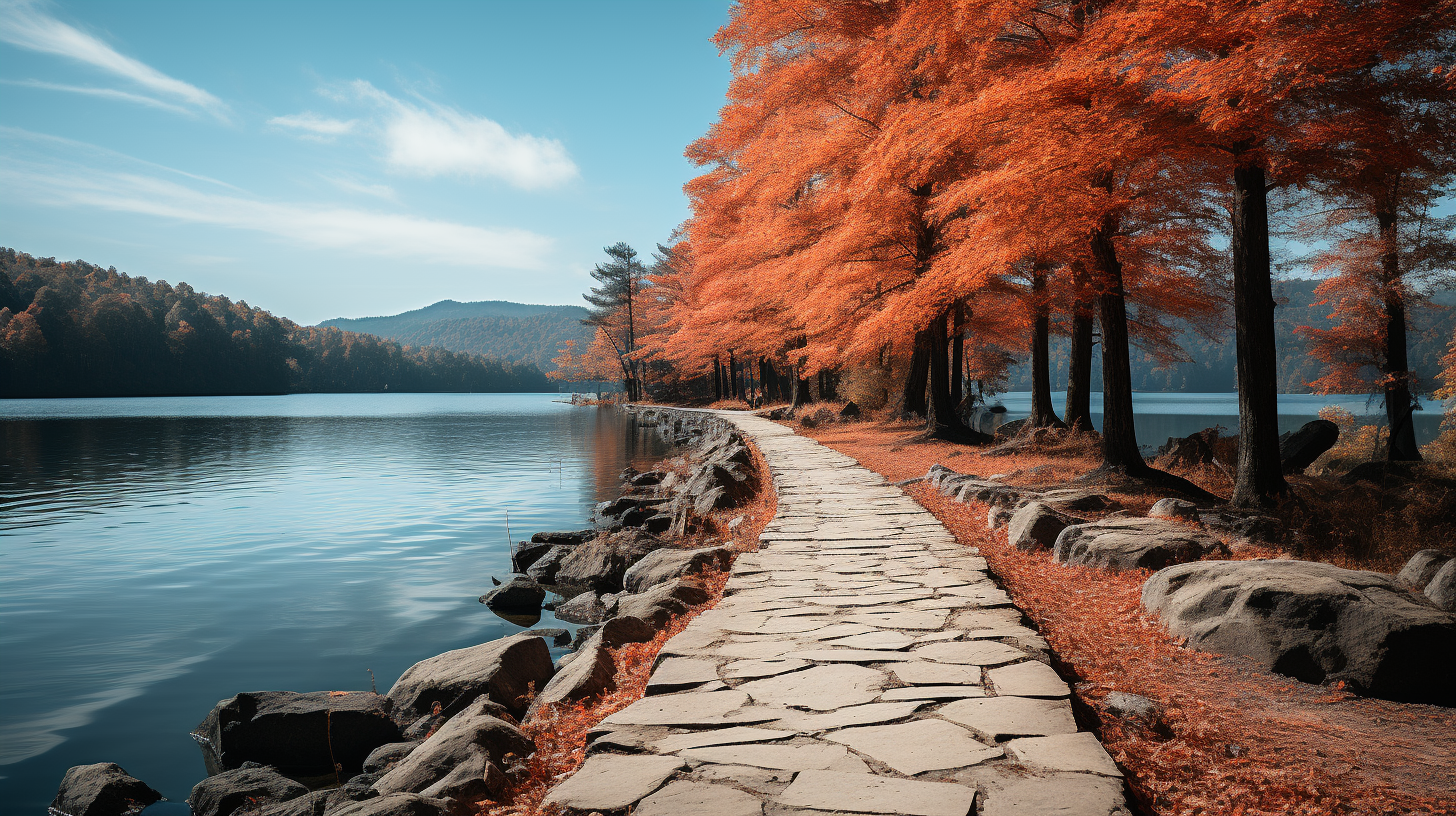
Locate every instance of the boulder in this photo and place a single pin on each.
(588, 675)
(622, 630)
(1191, 450)
(658, 523)
(1137, 709)
(1134, 543)
(1006, 430)
(1442, 588)
(572, 537)
(1174, 510)
(997, 517)
(518, 595)
(399, 804)
(502, 669)
(661, 603)
(461, 760)
(527, 554)
(669, 563)
(1298, 450)
(103, 789)
(544, 568)
(601, 563)
(1421, 568)
(1243, 523)
(1314, 622)
(381, 759)
(316, 803)
(1079, 501)
(299, 734)
(586, 607)
(231, 791)
(849, 411)
(651, 478)
(713, 498)
(557, 636)
(1035, 526)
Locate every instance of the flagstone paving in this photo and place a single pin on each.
(861, 662)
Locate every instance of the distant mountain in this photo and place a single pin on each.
(514, 332)
(1212, 360)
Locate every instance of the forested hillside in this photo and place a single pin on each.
(515, 332)
(75, 329)
(1211, 361)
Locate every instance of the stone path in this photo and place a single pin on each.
(860, 662)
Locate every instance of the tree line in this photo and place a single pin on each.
(938, 186)
(76, 329)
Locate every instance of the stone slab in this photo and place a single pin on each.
(918, 746)
(865, 793)
(613, 781)
(1064, 752)
(1003, 717)
(719, 736)
(968, 652)
(924, 672)
(802, 757)
(822, 688)
(1029, 679)
(933, 693)
(684, 797)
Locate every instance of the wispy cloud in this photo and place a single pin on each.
(314, 126)
(435, 140)
(23, 25)
(383, 191)
(350, 230)
(106, 93)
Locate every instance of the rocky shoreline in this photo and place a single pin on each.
(1378, 635)
(449, 733)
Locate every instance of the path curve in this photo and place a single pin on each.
(860, 662)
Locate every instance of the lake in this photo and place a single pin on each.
(162, 554)
(1158, 416)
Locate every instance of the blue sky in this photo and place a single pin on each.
(333, 159)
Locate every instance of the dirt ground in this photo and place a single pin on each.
(1239, 740)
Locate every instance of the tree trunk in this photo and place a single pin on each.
(1119, 436)
(1399, 407)
(732, 375)
(802, 395)
(1079, 369)
(914, 397)
(958, 356)
(940, 412)
(765, 376)
(717, 379)
(1260, 477)
(1042, 413)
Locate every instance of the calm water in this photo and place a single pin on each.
(162, 554)
(1159, 415)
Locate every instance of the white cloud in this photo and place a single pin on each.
(314, 125)
(349, 230)
(23, 26)
(435, 140)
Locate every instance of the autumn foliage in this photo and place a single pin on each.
(933, 186)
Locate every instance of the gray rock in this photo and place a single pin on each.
(527, 554)
(230, 791)
(661, 603)
(1442, 587)
(997, 517)
(400, 804)
(461, 760)
(520, 594)
(103, 789)
(590, 674)
(502, 669)
(315, 803)
(1063, 794)
(1137, 709)
(299, 734)
(1079, 501)
(1313, 622)
(1174, 509)
(573, 537)
(601, 563)
(558, 637)
(1299, 450)
(382, 758)
(712, 498)
(1191, 450)
(869, 793)
(1035, 526)
(543, 568)
(586, 607)
(1134, 543)
(669, 563)
(1421, 568)
(625, 629)
(684, 798)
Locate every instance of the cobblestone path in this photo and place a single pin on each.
(860, 662)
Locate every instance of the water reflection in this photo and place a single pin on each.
(160, 555)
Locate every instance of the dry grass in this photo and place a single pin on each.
(1244, 741)
(560, 733)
